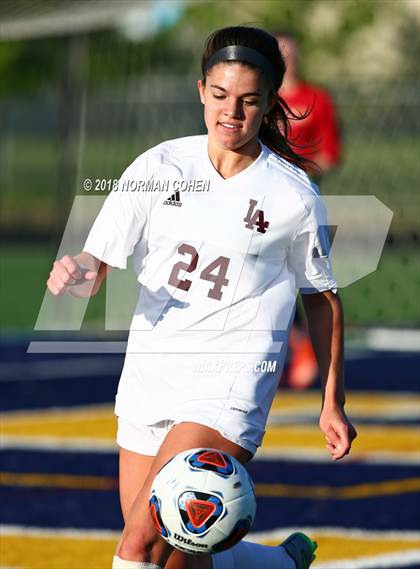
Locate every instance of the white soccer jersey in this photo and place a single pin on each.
(218, 261)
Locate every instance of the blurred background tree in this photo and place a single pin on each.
(374, 40)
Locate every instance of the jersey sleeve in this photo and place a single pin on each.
(308, 254)
(120, 224)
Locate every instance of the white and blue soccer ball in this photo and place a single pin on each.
(202, 501)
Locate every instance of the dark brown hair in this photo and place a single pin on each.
(275, 129)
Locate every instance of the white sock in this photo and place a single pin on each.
(118, 563)
(246, 555)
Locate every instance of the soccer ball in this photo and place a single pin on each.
(202, 501)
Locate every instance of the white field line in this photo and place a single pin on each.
(404, 340)
(9, 530)
(304, 418)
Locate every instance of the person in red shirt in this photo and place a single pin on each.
(317, 137)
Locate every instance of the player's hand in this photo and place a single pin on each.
(339, 432)
(67, 273)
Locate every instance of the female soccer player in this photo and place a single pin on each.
(217, 272)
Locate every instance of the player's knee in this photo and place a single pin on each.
(137, 544)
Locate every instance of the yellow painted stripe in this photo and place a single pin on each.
(76, 482)
(377, 438)
(367, 403)
(69, 423)
(369, 490)
(57, 552)
(67, 481)
(100, 425)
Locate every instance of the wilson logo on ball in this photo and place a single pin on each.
(189, 542)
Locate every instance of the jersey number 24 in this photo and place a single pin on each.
(215, 272)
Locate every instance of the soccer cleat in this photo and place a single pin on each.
(301, 549)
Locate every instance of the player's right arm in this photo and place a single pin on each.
(81, 275)
(116, 231)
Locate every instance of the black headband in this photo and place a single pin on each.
(245, 54)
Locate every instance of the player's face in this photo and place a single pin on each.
(235, 99)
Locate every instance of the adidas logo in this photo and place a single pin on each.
(174, 200)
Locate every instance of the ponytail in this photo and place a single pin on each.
(275, 133)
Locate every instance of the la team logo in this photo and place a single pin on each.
(174, 200)
(255, 217)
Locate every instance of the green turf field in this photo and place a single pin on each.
(387, 296)
(25, 270)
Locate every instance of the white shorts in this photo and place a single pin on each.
(146, 439)
(143, 439)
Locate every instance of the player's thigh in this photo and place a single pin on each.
(134, 469)
(186, 435)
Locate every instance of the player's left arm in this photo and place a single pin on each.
(325, 321)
